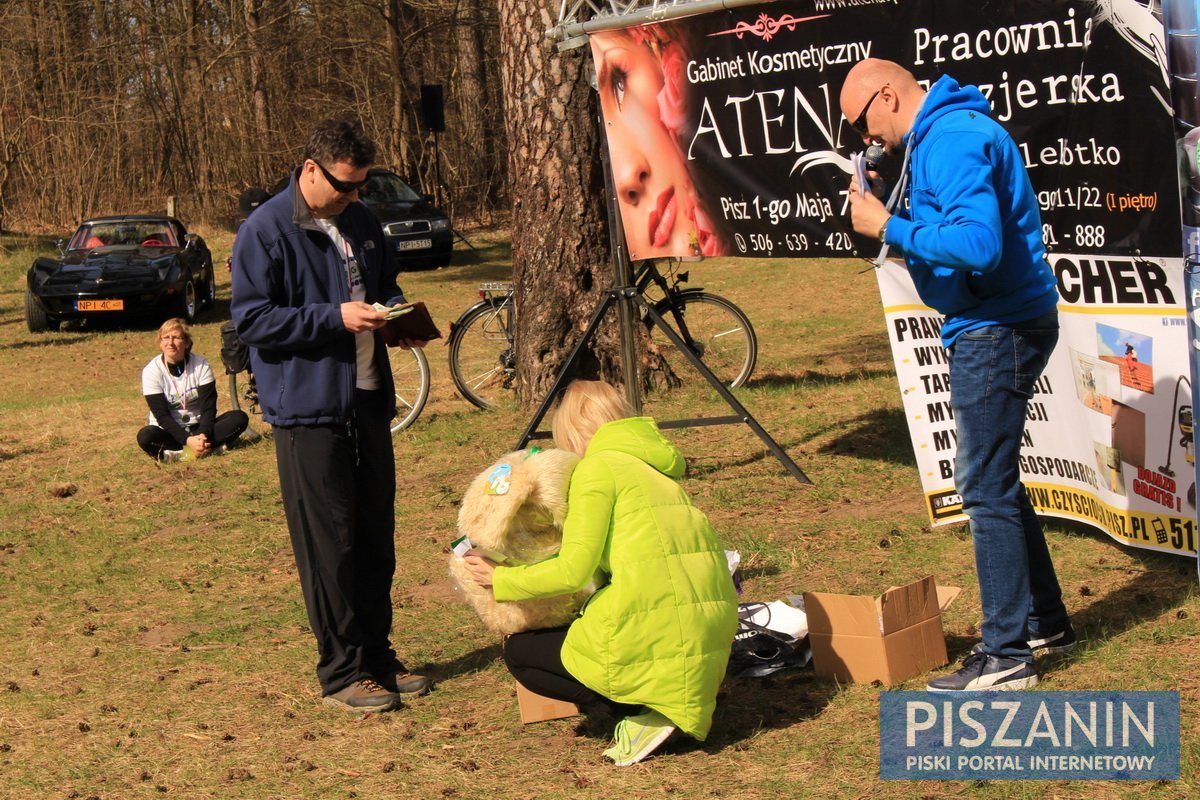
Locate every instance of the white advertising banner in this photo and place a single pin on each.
(1103, 441)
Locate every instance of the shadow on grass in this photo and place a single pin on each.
(811, 378)
(745, 706)
(1166, 582)
(89, 328)
(16, 452)
(480, 252)
(880, 435)
(489, 261)
(466, 664)
(750, 573)
(860, 349)
(49, 341)
(749, 705)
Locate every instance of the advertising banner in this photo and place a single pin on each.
(1182, 20)
(726, 138)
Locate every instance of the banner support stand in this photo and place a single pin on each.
(626, 296)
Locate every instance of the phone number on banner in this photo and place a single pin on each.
(822, 237)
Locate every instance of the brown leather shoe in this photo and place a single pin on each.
(403, 682)
(364, 694)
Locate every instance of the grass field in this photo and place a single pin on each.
(153, 640)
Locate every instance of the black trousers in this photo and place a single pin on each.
(339, 487)
(227, 427)
(535, 659)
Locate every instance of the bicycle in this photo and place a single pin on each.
(410, 373)
(483, 361)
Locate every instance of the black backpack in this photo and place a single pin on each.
(234, 352)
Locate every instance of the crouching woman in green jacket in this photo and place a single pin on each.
(654, 641)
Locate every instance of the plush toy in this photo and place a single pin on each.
(513, 511)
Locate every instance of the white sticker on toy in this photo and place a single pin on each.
(499, 479)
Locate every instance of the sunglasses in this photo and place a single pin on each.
(340, 186)
(859, 124)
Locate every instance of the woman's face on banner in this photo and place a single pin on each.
(654, 190)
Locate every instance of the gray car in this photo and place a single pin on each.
(419, 233)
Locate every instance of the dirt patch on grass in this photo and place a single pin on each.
(169, 635)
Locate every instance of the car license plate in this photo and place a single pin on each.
(99, 305)
(414, 244)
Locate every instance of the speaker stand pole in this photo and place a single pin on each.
(437, 171)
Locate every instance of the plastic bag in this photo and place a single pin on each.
(759, 650)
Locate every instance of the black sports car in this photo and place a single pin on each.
(138, 265)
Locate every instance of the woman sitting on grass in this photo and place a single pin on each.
(654, 642)
(181, 391)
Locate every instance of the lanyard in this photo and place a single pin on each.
(179, 387)
(894, 201)
(349, 261)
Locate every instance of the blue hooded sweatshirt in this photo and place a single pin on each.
(972, 235)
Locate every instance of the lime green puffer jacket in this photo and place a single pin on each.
(659, 633)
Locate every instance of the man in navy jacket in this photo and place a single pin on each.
(970, 233)
(307, 266)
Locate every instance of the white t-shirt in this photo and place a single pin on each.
(182, 393)
(364, 341)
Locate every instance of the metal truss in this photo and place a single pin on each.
(577, 18)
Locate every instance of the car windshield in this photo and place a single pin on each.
(384, 187)
(147, 233)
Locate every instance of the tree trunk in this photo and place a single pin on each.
(252, 19)
(561, 263)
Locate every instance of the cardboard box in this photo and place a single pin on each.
(536, 708)
(889, 638)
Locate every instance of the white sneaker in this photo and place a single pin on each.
(639, 736)
(170, 456)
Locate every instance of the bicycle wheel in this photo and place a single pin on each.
(254, 410)
(410, 372)
(717, 330)
(482, 362)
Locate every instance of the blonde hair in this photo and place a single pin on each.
(584, 407)
(179, 324)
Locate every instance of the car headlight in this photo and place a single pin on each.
(41, 272)
(439, 224)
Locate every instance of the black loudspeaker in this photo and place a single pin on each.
(432, 116)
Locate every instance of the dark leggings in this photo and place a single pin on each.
(535, 659)
(229, 426)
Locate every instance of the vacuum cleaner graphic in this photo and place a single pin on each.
(1181, 415)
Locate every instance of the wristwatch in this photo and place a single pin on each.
(883, 229)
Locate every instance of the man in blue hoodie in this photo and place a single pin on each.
(966, 221)
(307, 266)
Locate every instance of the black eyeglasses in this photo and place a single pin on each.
(859, 124)
(340, 186)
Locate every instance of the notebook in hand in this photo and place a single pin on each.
(413, 322)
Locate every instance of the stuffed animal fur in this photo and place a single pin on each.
(515, 509)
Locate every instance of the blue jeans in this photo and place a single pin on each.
(992, 373)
